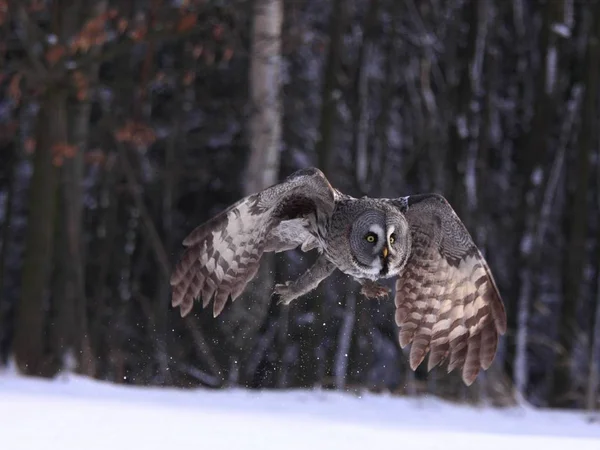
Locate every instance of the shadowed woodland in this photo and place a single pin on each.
(124, 124)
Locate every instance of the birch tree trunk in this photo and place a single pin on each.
(248, 313)
(590, 141)
(265, 96)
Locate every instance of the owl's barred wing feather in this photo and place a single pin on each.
(223, 254)
(447, 302)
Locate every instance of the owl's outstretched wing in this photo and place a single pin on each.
(223, 254)
(447, 302)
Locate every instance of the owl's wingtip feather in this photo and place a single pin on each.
(185, 307)
(469, 380)
(416, 358)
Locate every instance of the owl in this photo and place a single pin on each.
(447, 302)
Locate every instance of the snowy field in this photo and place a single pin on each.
(74, 413)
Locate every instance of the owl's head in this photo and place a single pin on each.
(380, 242)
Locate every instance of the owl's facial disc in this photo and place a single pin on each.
(381, 249)
(379, 242)
(398, 239)
(387, 251)
(367, 238)
(391, 239)
(376, 237)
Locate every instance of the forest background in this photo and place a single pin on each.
(124, 124)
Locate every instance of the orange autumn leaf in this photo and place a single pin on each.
(217, 31)
(92, 33)
(188, 78)
(63, 150)
(123, 134)
(187, 22)
(122, 25)
(14, 88)
(197, 51)
(54, 54)
(81, 85)
(79, 43)
(57, 161)
(29, 145)
(95, 156)
(139, 33)
(136, 133)
(227, 54)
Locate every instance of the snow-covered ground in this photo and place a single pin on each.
(75, 413)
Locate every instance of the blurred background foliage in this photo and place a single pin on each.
(124, 124)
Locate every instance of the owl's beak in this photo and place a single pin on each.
(385, 252)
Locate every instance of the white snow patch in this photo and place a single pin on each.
(551, 62)
(73, 413)
(562, 29)
(461, 126)
(537, 176)
(526, 243)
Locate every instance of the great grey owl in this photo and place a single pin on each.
(447, 302)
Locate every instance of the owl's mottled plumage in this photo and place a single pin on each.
(223, 254)
(447, 302)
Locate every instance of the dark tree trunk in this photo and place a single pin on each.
(329, 103)
(70, 331)
(577, 224)
(5, 239)
(31, 326)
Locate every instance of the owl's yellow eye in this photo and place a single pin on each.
(371, 238)
(392, 239)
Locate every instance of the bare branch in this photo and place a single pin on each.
(31, 36)
(148, 225)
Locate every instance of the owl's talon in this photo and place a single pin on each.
(372, 290)
(281, 294)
